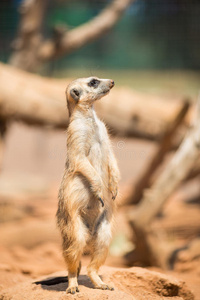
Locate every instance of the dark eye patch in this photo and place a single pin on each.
(94, 83)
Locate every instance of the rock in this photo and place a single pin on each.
(133, 283)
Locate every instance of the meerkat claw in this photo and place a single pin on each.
(114, 195)
(102, 203)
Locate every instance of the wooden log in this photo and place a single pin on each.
(36, 100)
(195, 171)
(154, 198)
(32, 99)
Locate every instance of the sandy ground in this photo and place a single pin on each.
(132, 283)
(30, 245)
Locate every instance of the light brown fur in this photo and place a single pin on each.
(90, 181)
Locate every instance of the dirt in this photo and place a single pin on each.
(133, 283)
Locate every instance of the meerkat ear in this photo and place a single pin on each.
(75, 94)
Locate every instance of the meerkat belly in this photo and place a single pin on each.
(96, 157)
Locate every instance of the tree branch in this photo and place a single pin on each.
(166, 142)
(155, 197)
(29, 34)
(86, 33)
(176, 171)
(30, 47)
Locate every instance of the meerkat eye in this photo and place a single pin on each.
(94, 83)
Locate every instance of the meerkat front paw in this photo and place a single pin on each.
(114, 190)
(114, 194)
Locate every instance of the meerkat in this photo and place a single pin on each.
(89, 184)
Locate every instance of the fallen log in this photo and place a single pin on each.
(36, 100)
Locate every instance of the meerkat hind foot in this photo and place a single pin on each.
(104, 286)
(72, 289)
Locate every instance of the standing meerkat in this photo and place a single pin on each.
(89, 184)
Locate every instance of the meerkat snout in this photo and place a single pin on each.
(112, 83)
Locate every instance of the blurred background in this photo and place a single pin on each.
(150, 35)
(151, 48)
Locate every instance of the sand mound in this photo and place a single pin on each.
(132, 283)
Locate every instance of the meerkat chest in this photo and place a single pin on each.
(97, 147)
(99, 133)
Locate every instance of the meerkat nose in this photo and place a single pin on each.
(112, 83)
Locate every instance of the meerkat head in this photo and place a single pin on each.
(84, 91)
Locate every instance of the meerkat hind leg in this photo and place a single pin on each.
(73, 272)
(79, 269)
(98, 258)
(74, 266)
